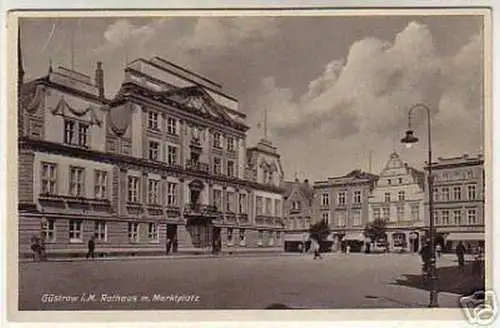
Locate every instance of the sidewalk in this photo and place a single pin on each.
(177, 256)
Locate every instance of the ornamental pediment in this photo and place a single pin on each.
(86, 112)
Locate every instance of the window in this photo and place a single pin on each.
(445, 193)
(100, 230)
(471, 216)
(435, 217)
(230, 144)
(376, 213)
(154, 150)
(278, 235)
(389, 181)
(230, 236)
(340, 216)
(445, 217)
(435, 194)
(230, 168)
(457, 193)
(400, 212)
(69, 132)
(270, 238)
(268, 206)
(296, 205)
(357, 197)
(243, 203)
(75, 231)
(76, 133)
(101, 184)
(153, 121)
(83, 130)
(217, 141)
(457, 216)
(230, 201)
(172, 155)
(277, 207)
(445, 176)
(471, 192)
(356, 218)
(470, 174)
(172, 126)
(133, 232)
(218, 199)
(217, 166)
(76, 182)
(386, 213)
(400, 180)
(401, 196)
(325, 216)
(49, 229)
(49, 178)
(259, 240)
(153, 192)
(325, 199)
(415, 212)
(133, 189)
(258, 205)
(387, 197)
(341, 198)
(152, 231)
(171, 194)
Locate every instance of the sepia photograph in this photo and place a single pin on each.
(233, 161)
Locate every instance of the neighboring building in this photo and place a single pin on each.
(458, 187)
(165, 158)
(398, 198)
(298, 201)
(343, 203)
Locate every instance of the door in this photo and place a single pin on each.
(216, 239)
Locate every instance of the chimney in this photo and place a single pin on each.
(99, 79)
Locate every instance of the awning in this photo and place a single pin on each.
(296, 236)
(354, 236)
(455, 236)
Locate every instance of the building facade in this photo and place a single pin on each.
(398, 198)
(458, 192)
(166, 158)
(298, 201)
(343, 203)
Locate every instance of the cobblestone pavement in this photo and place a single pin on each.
(338, 281)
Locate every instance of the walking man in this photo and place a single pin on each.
(169, 244)
(317, 254)
(91, 245)
(460, 251)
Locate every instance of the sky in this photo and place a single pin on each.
(336, 89)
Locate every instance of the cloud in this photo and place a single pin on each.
(362, 101)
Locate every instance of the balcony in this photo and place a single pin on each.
(264, 220)
(173, 211)
(243, 218)
(197, 166)
(201, 210)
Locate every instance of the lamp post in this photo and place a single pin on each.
(408, 140)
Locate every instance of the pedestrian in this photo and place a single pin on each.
(460, 251)
(438, 250)
(91, 246)
(317, 253)
(426, 255)
(348, 249)
(35, 247)
(169, 244)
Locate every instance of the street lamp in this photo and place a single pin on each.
(408, 140)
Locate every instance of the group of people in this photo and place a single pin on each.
(460, 251)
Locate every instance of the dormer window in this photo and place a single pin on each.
(76, 133)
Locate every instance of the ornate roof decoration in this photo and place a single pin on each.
(119, 118)
(32, 96)
(63, 107)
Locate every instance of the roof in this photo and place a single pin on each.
(418, 176)
(301, 186)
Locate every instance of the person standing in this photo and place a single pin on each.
(91, 247)
(317, 253)
(438, 250)
(460, 251)
(426, 255)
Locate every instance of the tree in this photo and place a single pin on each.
(319, 230)
(376, 230)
